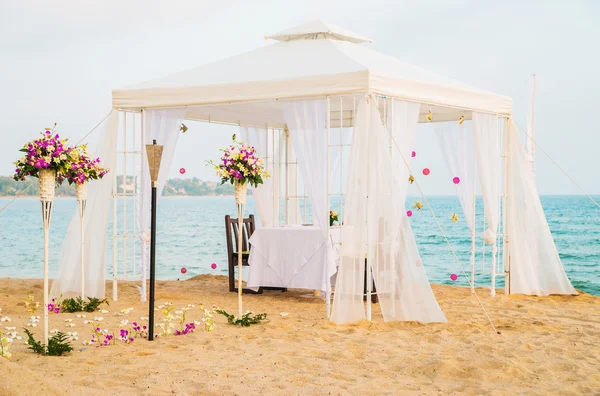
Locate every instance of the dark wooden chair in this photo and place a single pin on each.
(232, 234)
(374, 298)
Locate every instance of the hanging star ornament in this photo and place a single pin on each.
(411, 179)
(429, 116)
(461, 120)
(183, 128)
(454, 218)
(418, 205)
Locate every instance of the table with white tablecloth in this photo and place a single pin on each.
(294, 257)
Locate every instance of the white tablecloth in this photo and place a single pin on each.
(292, 257)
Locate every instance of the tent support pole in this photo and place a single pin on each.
(505, 249)
(124, 191)
(114, 232)
(327, 222)
(473, 222)
(143, 269)
(368, 259)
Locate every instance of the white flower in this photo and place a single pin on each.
(19, 338)
(70, 325)
(284, 314)
(103, 311)
(143, 318)
(98, 318)
(123, 323)
(86, 321)
(80, 316)
(68, 320)
(5, 319)
(178, 312)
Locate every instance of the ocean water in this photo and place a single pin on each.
(191, 235)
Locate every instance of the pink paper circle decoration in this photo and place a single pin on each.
(183, 270)
(456, 180)
(409, 213)
(414, 154)
(182, 171)
(454, 277)
(213, 266)
(426, 171)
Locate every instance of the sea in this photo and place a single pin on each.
(191, 236)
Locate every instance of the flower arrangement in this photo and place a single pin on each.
(30, 305)
(71, 163)
(54, 306)
(189, 328)
(240, 164)
(83, 168)
(100, 337)
(333, 217)
(207, 318)
(47, 152)
(5, 342)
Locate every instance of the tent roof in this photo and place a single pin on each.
(318, 29)
(321, 65)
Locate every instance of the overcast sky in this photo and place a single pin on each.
(59, 61)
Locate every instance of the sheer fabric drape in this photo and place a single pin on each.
(162, 126)
(456, 144)
(487, 153)
(306, 121)
(266, 195)
(68, 278)
(535, 266)
(376, 228)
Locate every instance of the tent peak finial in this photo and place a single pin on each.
(316, 30)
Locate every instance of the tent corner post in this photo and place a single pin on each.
(505, 198)
(328, 203)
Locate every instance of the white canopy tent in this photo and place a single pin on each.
(318, 77)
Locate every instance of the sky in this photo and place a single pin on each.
(59, 61)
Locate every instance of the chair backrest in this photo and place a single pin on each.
(232, 233)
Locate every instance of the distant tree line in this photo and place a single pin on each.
(173, 187)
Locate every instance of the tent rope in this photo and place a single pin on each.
(17, 196)
(556, 163)
(20, 193)
(94, 128)
(445, 237)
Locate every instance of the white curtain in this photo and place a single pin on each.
(68, 279)
(535, 266)
(376, 227)
(307, 124)
(487, 153)
(266, 195)
(456, 144)
(162, 126)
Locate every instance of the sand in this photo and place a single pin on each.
(547, 346)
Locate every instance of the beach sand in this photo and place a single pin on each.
(547, 345)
